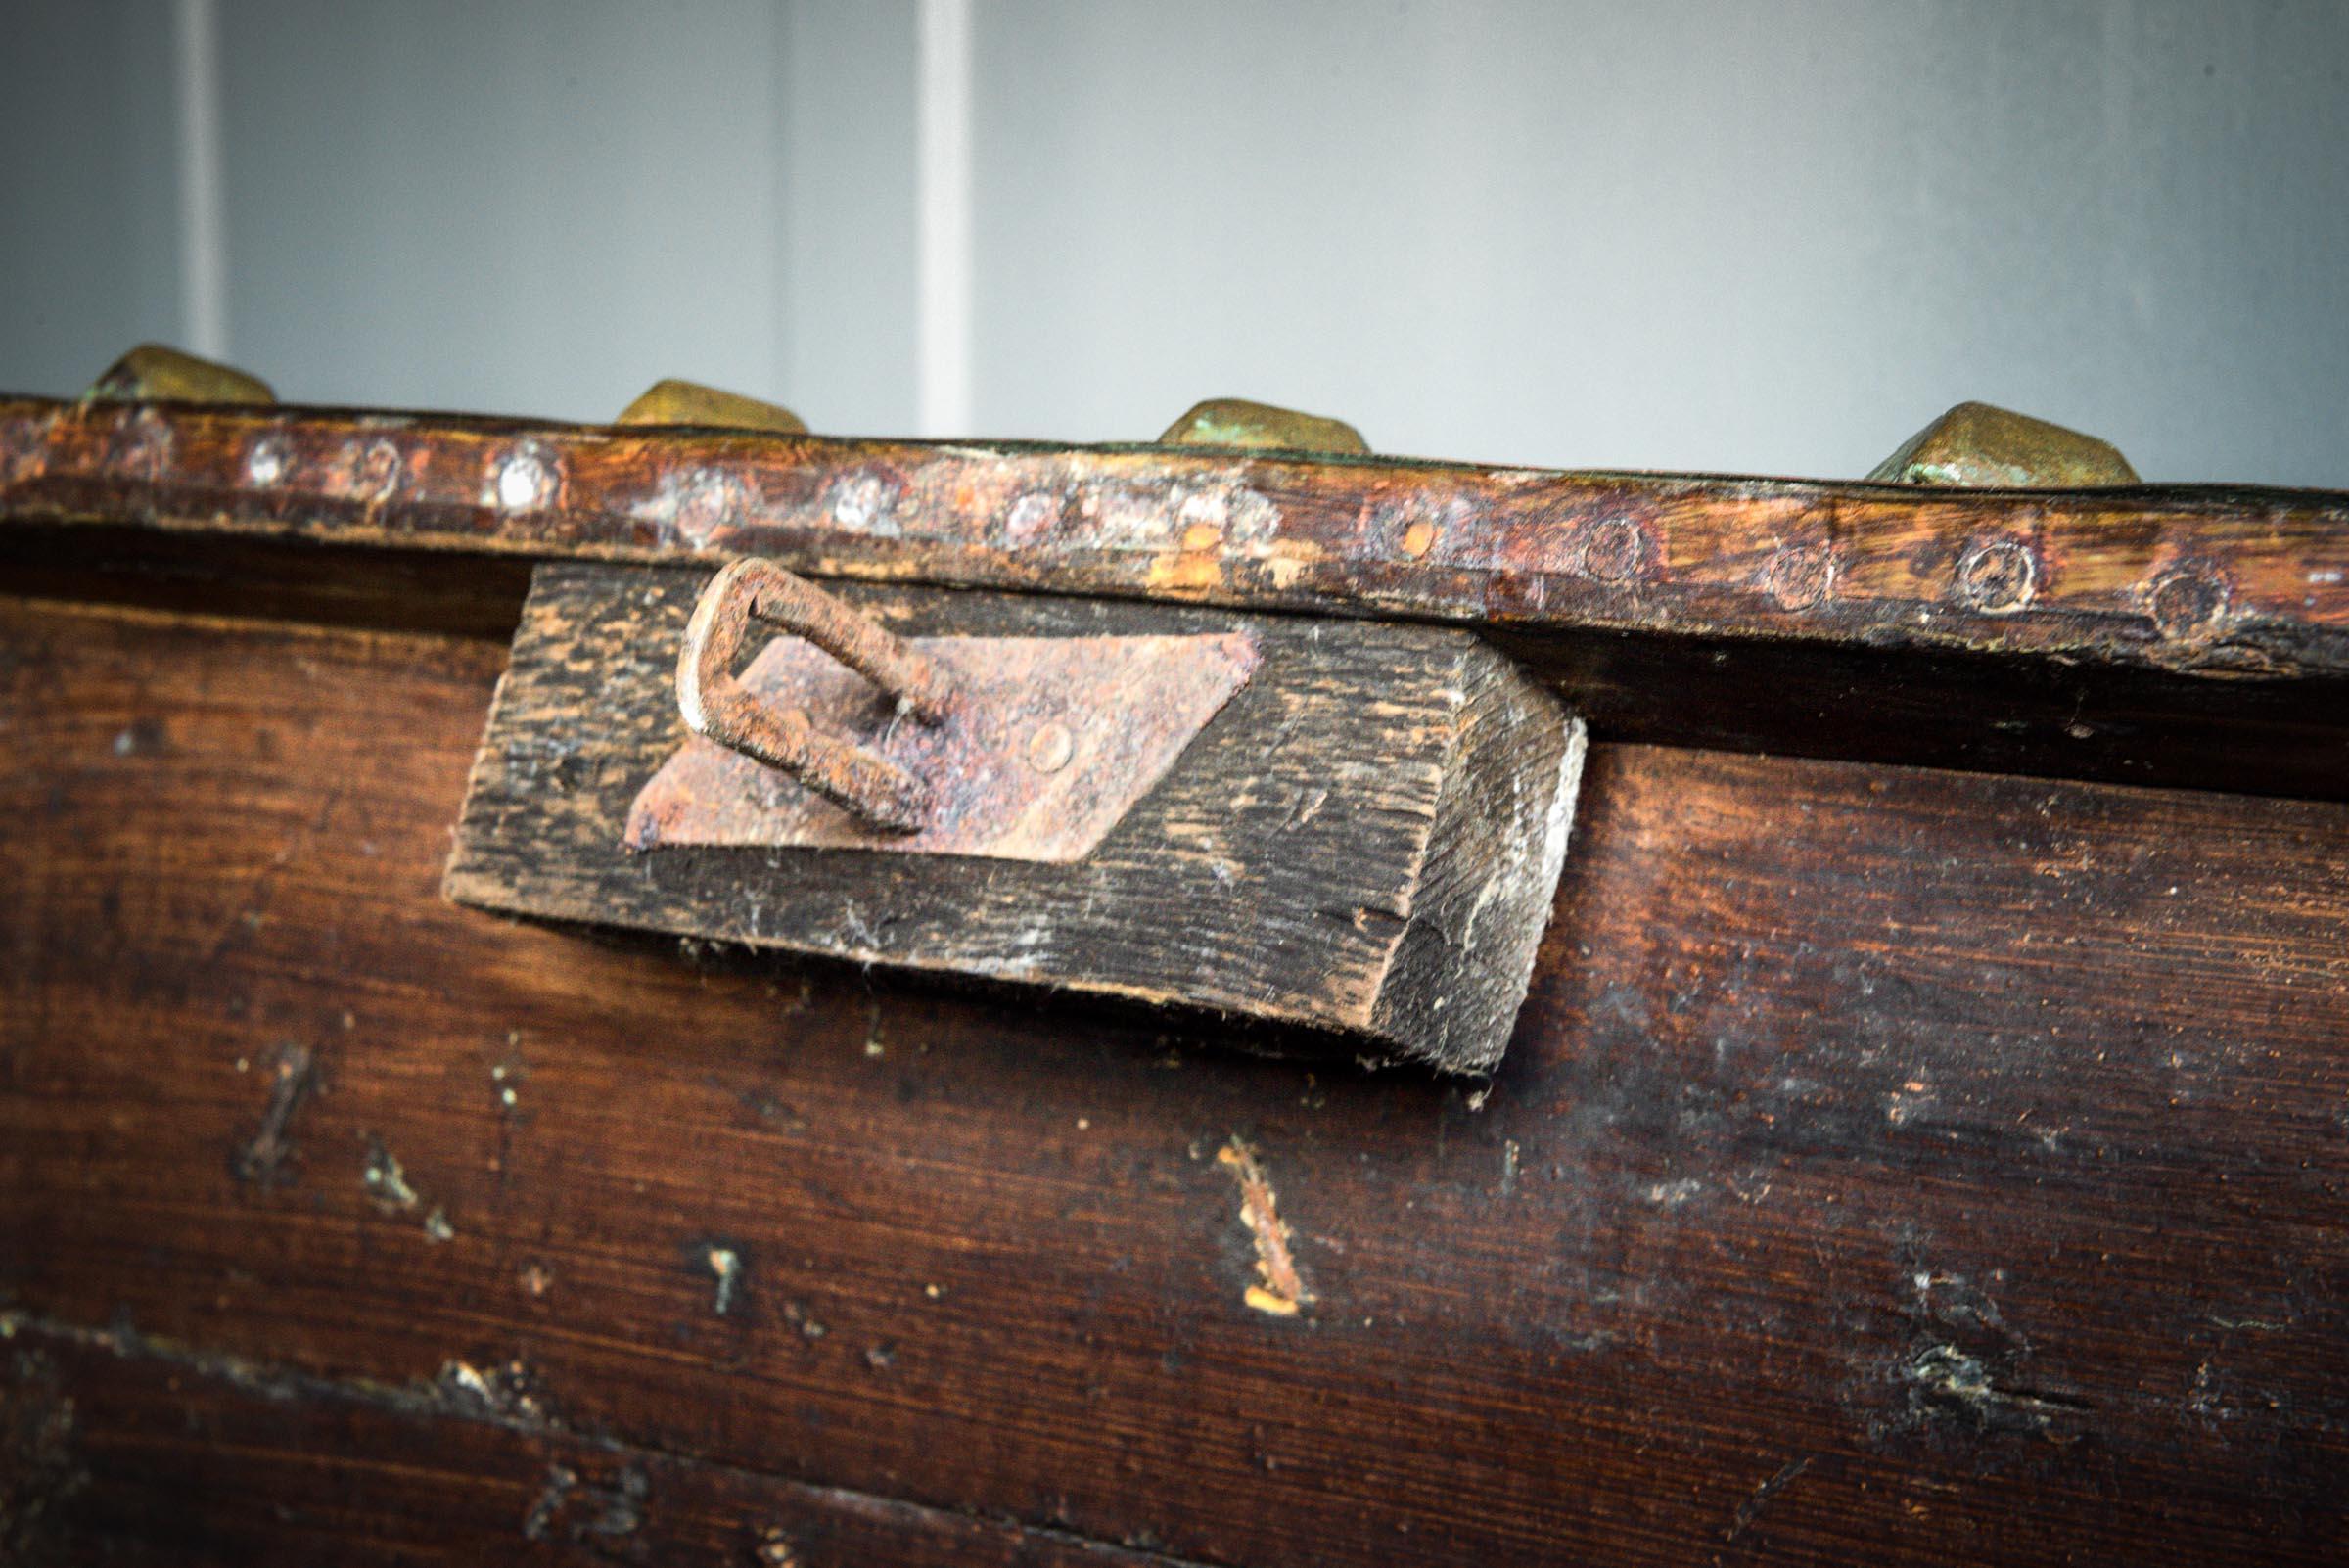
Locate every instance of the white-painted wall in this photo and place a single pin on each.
(1729, 235)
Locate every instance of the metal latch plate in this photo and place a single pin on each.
(1055, 739)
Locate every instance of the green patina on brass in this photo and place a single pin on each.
(687, 403)
(1237, 421)
(152, 373)
(1977, 447)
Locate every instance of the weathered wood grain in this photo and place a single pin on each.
(2216, 580)
(120, 1449)
(1364, 840)
(1891, 1166)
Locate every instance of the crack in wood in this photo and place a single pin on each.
(1751, 1509)
(1280, 1289)
(266, 1159)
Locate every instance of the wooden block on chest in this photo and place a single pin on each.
(1364, 840)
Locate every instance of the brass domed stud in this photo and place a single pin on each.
(152, 373)
(1975, 445)
(688, 402)
(1235, 422)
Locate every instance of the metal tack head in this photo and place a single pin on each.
(1237, 421)
(154, 374)
(714, 705)
(1977, 447)
(687, 403)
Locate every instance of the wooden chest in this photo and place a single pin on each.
(1923, 1137)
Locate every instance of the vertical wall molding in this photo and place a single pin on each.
(943, 225)
(202, 204)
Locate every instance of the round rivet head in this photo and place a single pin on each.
(707, 500)
(866, 501)
(2188, 602)
(1614, 550)
(1031, 515)
(523, 483)
(266, 461)
(380, 466)
(1801, 575)
(1997, 577)
(1051, 748)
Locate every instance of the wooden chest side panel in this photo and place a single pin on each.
(146, 1452)
(1890, 1165)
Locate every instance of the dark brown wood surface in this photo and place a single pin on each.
(118, 1448)
(2189, 635)
(1892, 1165)
(1364, 840)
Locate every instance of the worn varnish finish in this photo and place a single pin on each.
(143, 1451)
(2195, 638)
(2208, 580)
(1892, 1165)
(1364, 839)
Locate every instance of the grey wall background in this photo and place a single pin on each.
(1730, 235)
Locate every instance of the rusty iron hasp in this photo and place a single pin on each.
(1013, 748)
(878, 792)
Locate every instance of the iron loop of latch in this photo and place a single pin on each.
(873, 789)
